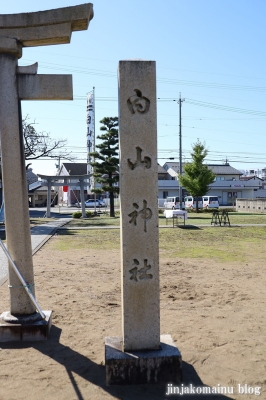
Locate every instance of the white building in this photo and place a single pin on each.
(228, 184)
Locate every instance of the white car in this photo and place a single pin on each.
(173, 203)
(91, 203)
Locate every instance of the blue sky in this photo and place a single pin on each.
(212, 51)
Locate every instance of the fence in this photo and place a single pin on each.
(251, 205)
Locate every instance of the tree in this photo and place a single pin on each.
(197, 176)
(40, 144)
(105, 169)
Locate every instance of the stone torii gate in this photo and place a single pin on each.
(16, 84)
(73, 180)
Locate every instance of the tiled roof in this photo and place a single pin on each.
(30, 176)
(161, 170)
(224, 169)
(76, 168)
(217, 169)
(248, 178)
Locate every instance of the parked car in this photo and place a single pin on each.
(210, 202)
(203, 202)
(173, 203)
(190, 202)
(91, 203)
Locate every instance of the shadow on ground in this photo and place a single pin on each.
(76, 363)
(42, 213)
(198, 218)
(195, 228)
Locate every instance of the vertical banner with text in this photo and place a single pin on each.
(90, 138)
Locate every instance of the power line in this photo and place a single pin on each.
(167, 68)
(194, 102)
(225, 108)
(214, 129)
(170, 81)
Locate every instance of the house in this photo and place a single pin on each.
(37, 191)
(260, 173)
(71, 195)
(38, 194)
(167, 184)
(227, 185)
(261, 192)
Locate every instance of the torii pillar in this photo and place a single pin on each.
(16, 84)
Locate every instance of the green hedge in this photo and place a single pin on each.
(78, 214)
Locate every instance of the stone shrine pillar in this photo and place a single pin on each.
(16, 84)
(139, 209)
(141, 355)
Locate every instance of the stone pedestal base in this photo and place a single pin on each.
(138, 367)
(24, 331)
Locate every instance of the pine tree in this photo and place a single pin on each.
(106, 160)
(197, 176)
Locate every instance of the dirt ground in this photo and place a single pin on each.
(214, 312)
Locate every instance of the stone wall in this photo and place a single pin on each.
(251, 205)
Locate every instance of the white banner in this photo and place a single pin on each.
(90, 138)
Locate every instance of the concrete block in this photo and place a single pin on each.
(11, 46)
(46, 27)
(79, 16)
(33, 331)
(28, 69)
(45, 87)
(40, 35)
(139, 367)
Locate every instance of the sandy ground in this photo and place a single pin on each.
(214, 312)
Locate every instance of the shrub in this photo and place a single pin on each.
(77, 214)
(227, 209)
(191, 210)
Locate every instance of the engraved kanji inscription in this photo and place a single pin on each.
(138, 103)
(146, 162)
(139, 274)
(145, 214)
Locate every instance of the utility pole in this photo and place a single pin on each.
(180, 148)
